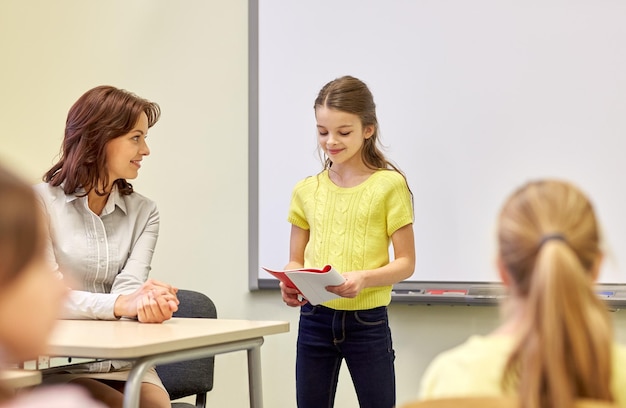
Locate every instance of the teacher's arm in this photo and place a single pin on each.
(148, 300)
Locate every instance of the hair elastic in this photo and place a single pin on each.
(553, 236)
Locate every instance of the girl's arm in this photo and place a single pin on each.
(395, 271)
(297, 242)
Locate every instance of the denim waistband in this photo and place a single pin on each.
(328, 310)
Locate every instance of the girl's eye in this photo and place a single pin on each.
(344, 134)
(323, 133)
(136, 138)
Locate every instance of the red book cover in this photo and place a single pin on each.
(310, 282)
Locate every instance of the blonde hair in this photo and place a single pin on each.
(549, 245)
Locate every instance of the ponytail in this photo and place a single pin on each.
(563, 352)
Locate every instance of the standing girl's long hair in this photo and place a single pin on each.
(549, 245)
(351, 95)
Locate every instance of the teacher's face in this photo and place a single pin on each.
(124, 153)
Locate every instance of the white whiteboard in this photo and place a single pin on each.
(474, 98)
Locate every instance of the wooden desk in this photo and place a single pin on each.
(16, 378)
(178, 339)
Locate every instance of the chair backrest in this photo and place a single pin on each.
(194, 377)
(492, 402)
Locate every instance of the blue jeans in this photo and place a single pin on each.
(327, 336)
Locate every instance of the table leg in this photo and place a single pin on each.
(254, 377)
(253, 346)
(132, 388)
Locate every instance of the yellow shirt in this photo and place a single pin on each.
(475, 368)
(350, 228)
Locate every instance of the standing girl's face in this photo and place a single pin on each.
(341, 135)
(124, 153)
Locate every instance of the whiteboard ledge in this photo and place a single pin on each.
(467, 293)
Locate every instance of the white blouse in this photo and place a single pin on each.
(102, 256)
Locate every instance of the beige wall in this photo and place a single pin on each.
(191, 58)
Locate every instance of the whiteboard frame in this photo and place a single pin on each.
(255, 280)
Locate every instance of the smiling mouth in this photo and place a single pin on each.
(136, 162)
(334, 151)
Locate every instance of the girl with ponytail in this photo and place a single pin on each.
(555, 345)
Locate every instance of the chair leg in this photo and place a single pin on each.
(201, 400)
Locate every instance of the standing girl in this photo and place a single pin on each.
(103, 233)
(346, 216)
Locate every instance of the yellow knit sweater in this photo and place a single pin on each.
(350, 228)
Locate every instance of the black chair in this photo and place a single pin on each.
(194, 377)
